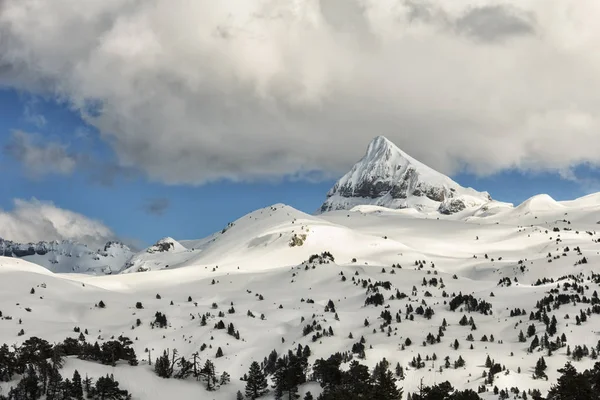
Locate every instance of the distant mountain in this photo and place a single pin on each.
(388, 177)
(69, 256)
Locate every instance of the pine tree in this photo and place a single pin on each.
(239, 396)
(196, 366)
(57, 357)
(289, 374)
(185, 368)
(225, 378)
(8, 364)
(208, 372)
(540, 368)
(384, 387)
(30, 384)
(256, 385)
(66, 390)
(488, 362)
(87, 384)
(76, 386)
(571, 385)
(162, 366)
(107, 388)
(399, 371)
(54, 384)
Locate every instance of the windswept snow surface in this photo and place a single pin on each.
(266, 252)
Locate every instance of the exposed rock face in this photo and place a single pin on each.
(388, 177)
(452, 206)
(165, 244)
(8, 248)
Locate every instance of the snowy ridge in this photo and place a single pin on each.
(386, 176)
(263, 240)
(69, 256)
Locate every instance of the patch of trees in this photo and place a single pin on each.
(323, 258)
(376, 299)
(37, 363)
(582, 261)
(426, 312)
(444, 391)
(575, 385)
(109, 353)
(517, 312)
(387, 285)
(160, 320)
(231, 331)
(506, 281)
(470, 304)
(171, 365)
(357, 382)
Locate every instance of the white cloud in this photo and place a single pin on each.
(34, 220)
(202, 90)
(31, 116)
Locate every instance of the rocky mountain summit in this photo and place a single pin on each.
(388, 177)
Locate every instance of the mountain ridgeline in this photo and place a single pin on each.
(69, 256)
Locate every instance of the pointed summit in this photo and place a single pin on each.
(380, 144)
(388, 177)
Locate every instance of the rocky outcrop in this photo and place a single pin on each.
(164, 245)
(452, 206)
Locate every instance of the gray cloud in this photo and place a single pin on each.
(493, 23)
(40, 157)
(106, 172)
(486, 23)
(34, 220)
(191, 92)
(157, 206)
(425, 11)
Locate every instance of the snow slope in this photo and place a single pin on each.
(386, 176)
(265, 253)
(270, 238)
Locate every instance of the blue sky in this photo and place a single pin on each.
(182, 211)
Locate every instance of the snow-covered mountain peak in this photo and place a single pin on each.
(381, 149)
(387, 176)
